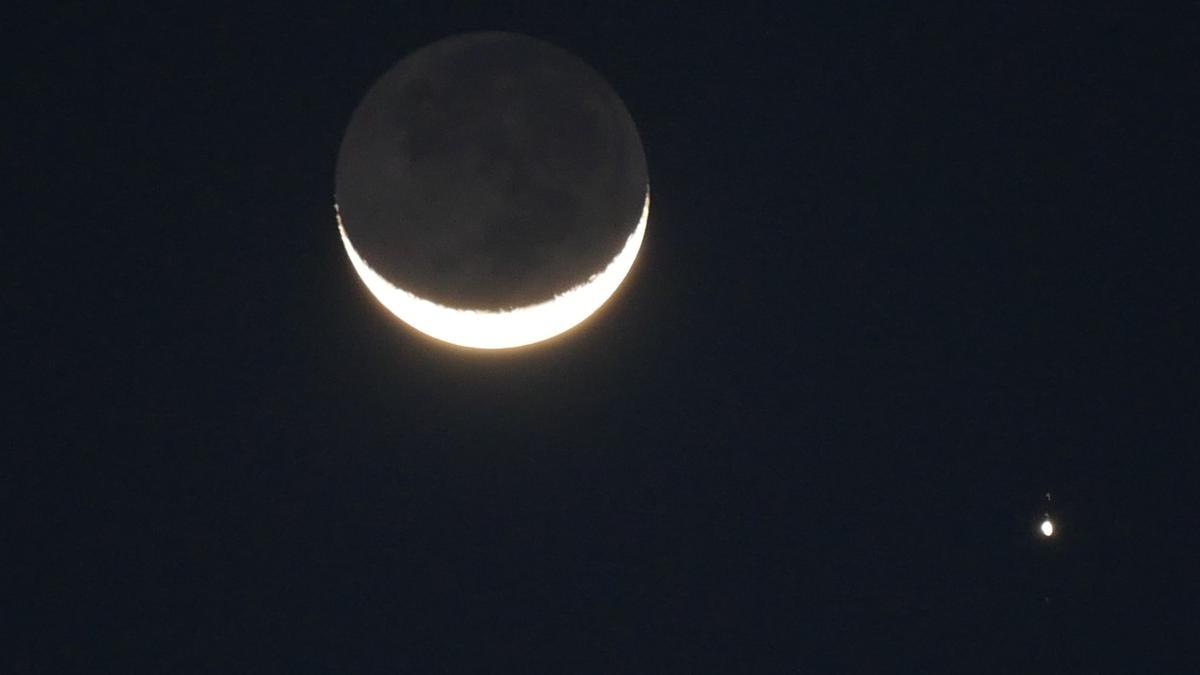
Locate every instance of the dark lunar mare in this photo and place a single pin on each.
(490, 170)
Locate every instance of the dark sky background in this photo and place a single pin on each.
(905, 272)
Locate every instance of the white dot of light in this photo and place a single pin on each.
(483, 329)
(1047, 527)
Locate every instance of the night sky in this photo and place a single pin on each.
(905, 272)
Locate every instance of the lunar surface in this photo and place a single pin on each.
(491, 190)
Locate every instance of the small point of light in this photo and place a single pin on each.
(1047, 527)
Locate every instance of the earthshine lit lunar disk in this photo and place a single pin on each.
(500, 330)
(491, 190)
(1047, 527)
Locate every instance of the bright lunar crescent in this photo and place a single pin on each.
(492, 190)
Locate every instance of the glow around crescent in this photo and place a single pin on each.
(517, 327)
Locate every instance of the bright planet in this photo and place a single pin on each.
(492, 190)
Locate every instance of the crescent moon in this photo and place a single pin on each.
(517, 327)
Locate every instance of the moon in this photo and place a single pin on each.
(1047, 528)
(491, 190)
